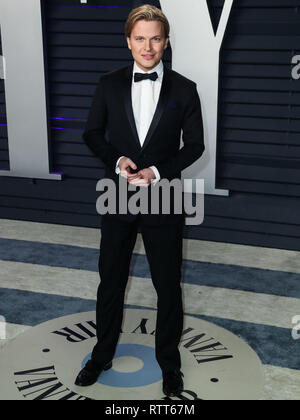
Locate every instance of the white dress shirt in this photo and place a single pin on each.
(145, 95)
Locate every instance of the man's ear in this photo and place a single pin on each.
(128, 43)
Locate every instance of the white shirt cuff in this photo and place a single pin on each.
(156, 173)
(118, 170)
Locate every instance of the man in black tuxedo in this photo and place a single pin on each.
(145, 107)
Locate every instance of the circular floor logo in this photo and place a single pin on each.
(43, 362)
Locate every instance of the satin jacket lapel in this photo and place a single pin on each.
(128, 103)
(165, 89)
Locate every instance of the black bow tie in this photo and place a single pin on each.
(144, 76)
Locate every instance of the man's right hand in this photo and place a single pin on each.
(125, 164)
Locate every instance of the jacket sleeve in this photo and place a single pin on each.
(193, 140)
(94, 134)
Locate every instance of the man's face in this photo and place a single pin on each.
(147, 43)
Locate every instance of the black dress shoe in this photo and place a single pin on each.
(172, 383)
(90, 373)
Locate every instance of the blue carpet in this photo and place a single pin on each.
(273, 345)
(278, 283)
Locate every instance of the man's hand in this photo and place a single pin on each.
(144, 178)
(125, 164)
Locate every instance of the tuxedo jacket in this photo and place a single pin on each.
(111, 132)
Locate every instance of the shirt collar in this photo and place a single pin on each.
(159, 69)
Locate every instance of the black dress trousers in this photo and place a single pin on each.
(163, 247)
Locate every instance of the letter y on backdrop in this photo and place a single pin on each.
(196, 51)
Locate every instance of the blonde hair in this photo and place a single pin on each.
(146, 12)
